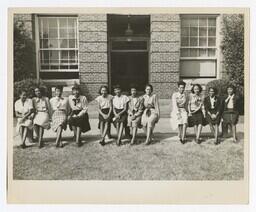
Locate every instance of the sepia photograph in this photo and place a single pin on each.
(126, 96)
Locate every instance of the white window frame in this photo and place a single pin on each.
(216, 47)
(38, 49)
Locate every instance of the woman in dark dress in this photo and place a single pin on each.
(78, 118)
(212, 105)
(230, 111)
(196, 111)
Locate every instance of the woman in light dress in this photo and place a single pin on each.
(120, 113)
(151, 113)
(196, 111)
(135, 110)
(42, 114)
(105, 112)
(179, 115)
(59, 106)
(78, 118)
(23, 112)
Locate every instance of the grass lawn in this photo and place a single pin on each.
(166, 159)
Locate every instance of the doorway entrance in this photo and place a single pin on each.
(128, 38)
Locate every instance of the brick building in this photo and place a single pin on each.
(96, 49)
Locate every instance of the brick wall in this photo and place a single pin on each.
(93, 60)
(164, 53)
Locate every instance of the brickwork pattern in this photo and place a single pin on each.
(164, 53)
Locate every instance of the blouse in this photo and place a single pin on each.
(135, 106)
(79, 103)
(120, 101)
(59, 103)
(23, 107)
(41, 104)
(104, 102)
(195, 102)
(151, 101)
(178, 100)
(230, 102)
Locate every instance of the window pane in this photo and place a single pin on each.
(45, 55)
(202, 31)
(193, 52)
(72, 55)
(72, 43)
(211, 52)
(53, 43)
(202, 41)
(63, 43)
(43, 43)
(72, 22)
(212, 41)
(72, 33)
(185, 31)
(184, 53)
(193, 41)
(184, 41)
(53, 33)
(194, 31)
(193, 22)
(203, 52)
(63, 33)
(54, 56)
(63, 22)
(185, 22)
(64, 55)
(202, 22)
(52, 22)
(212, 31)
(211, 21)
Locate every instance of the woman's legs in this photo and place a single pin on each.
(180, 131)
(104, 126)
(184, 129)
(74, 130)
(78, 136)
(216, 133)
(40, 137)
(149, 134)
(120, 133)
(58, 138)
(134, 132)
(25, 131)
(195, 129)
(234, 133)
(198, 132)
(212, 128)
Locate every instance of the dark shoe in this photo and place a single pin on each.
(79, 144)
(182, 141)
(23, 146)
(197, 141)
(41, 145)
(102, 142)
(216, 142)
(235, 141)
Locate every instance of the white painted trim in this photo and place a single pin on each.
(37, 39)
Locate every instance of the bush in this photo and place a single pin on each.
(29, 85)
(23, 53)
(221, 86)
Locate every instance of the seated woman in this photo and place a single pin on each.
(179, 115)
(135, 110)
(59, 106)
(120, 113)
(230, 112)
(78, 118)
(196, 111)
(42, 114)
(105, 112)
(213, 105)
(151, 113)
(23, 111)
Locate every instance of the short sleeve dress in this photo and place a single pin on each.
(24, 108)
(135, 108)
(105, 105)
(59, 106)
(119, 103)
(42, 111)
(151, 113)
(79, 106)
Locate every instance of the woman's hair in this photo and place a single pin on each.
(23, 91)
(76, 87)
(214, 89)
(103, 86)
(117, 87)
(41, 89)
(133, 86)
(149, 85)
(199, 86)
(181, 83)
(58, 87)
(231, 86)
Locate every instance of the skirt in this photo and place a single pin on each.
(178, 117)
(196, 119)
(82, 122)
(213, 121)
(133, 123)
(59, 118)
(26, 123)
(149, 118)
(101, 119)
(122, 119)
(42, 119)
(230, 117)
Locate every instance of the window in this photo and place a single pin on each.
(198, 46)
(58, 46)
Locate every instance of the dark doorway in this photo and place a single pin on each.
(128, 38)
